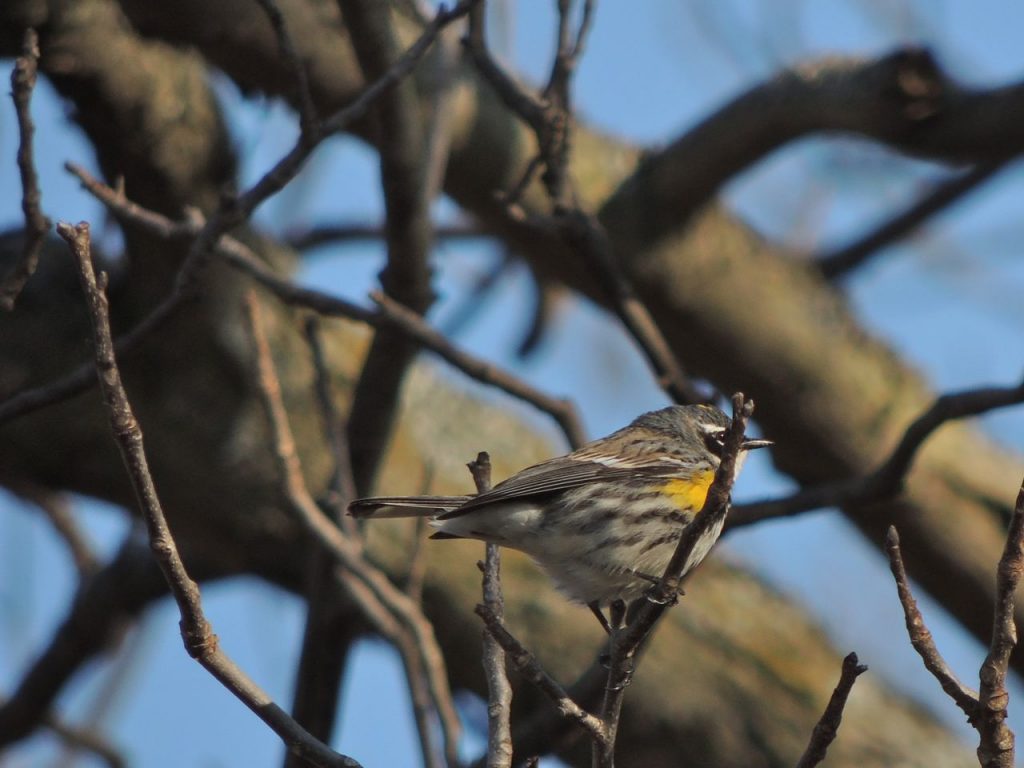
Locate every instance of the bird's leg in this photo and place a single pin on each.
(652, 592)
(595, 609)
(617, 612)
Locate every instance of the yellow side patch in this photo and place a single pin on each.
(689, 493)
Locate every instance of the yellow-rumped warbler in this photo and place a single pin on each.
(604, 520)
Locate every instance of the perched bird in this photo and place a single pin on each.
(604, 520)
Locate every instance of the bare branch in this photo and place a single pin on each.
(996, 747)
(241, 257)
(585, 233)
(921, 637)
(342, 234)
(229, 215)
(77, 739)
(197, 634)
(499, 690)
(562, 411)
(288, 166)
(23, 81)
(104, 605)
(330, 630)
(298, 77)
(839, 263)
(904, 100)
(887, 480)
(551, 117)
(56, 508)
(393, 614)
(825, 731)
(626, 643)
(531, 669)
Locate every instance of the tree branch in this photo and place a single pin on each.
(198, 637)
(391, 611)
(626, 643)
(887, 480)
(996, 747)
(921, 637)
(844, 260)
(23, 81)
(827, 727)
(499, 690)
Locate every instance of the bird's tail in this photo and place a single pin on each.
(381, 507)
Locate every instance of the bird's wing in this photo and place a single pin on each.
(567, 472)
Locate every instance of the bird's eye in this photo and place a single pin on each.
(714, 443)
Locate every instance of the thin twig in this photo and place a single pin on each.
(294, 67)
(56, 508)
(243, 258)
(539, 733)
(23, 81)
(841, 262)
(519, 100)
(77, 739)
(342, 234)
(231, 214)
(416, 573)
(329, 631)
(342, 486)
(996, 741)
(197, 634)
(103, 607)
(626, 643)
(887, 480)
(499, 690)
(562, 411)
(921, 637)
(528, 666)
(584, 232)
(550, 116)
(828, 726)
(392, 612)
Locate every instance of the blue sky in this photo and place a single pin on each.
(948, 300)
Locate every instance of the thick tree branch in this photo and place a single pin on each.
(408, 233)
(904, 100)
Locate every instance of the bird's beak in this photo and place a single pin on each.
(749, 445)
